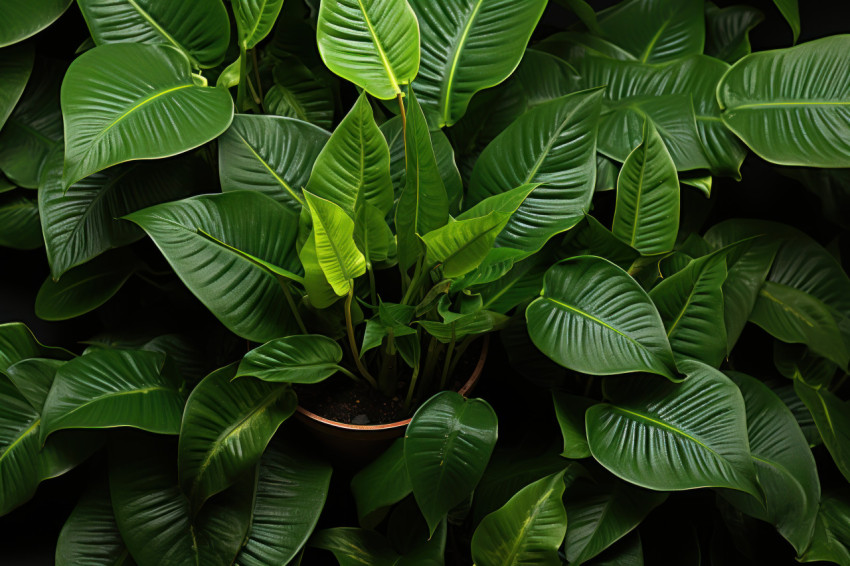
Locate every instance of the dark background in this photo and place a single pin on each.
(28, 535)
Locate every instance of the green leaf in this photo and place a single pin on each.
(338, 256)
(354, 165)
(25, 18)
(18, 343)
(628, 551)
(480, 322)
(671, 437)
(291, 491)
(831, 539)
(372, 43)
(356, 547)
(153, 515)
(126, 101)
(458, 54)
(522, 283)
(90, 535)
(460, 246)
(320, 294)
(84, 288)
(528, 529)
(655, 31)
(201, 29)
(784, 464)
(799, 362)
(728, 30)
(114, 388)
(423, 205)
(381, 484)
(833, 422)
(219, 247)
(602, 514)
(33, 378)
(647, 212)
(303, 358)
(554, 145)
(15, 69)
(254, 20)
(446, 449)
(795, 112)
(594, 318)
(373, 235)
(19, 223)
(569, 410)
(226, 427)
(791, 12)
(585, 13)
(298, 93)
(592, 238)
(271, 155)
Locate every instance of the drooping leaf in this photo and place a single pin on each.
(302, 358)
(569, 410)
(271, 155)
(446, 449)
(528, 529)
(113, 388)
(594, 318)
(298, 93)
(833, 422)
(554, 145)
(125, 101)
(671, 437)
(23, 18)
(372, 43)
(15, 69)
(255, 19)
(466, 47)
(791, 12)
(200, 29)
(18, 343)
(728, 30)
(225, 429)
(381, 484)
(218, 246)
(795, 112)
(19, 223)
(338, 256)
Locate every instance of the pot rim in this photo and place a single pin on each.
(470, 383)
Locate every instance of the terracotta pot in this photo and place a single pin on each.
(354, 445)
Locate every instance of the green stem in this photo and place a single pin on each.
(373, 295)
(419, 275)
(387, 376)
(243, 79)
(411, 387)
(447, 361)
(257, 75)
(348, 373)
(461, 348)
(292, 306)
(352, 341)
(431, 357)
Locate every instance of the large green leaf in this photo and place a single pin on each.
(18, 343)
(19, 223)
(459, 247)
(790, 105)
(255, 19)
(656, 30)
(15, 69)
(302, 358)
(671, 437)
(784, 464)
(381, 484)
(354, 165)
(468, 46)
(128, 101)
(25, 18)
(33, 378)
(446, 449)
(601, 514)
(594, 318)
(372, 43)
(291, 491)
(554, 145)
(226, 427)
(271, 155)
(832, 420)
(34, 128)
(112, 388)
(220, 246)
(82, 222)
(90, 535)
(528, 529)
(298, 93)
(153, 515)
(728, 30)
(647, 212)
(200, 29)
(831, 539)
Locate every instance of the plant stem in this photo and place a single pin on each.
(373, 295)
(411, 387)
(352, 342)
(447, 361)
(292, 306)
(461, 348)
(431, 357)
(418, 275)
(387, 376)
(243, 79)
(348, 373)
(257, 75)
(403, 116)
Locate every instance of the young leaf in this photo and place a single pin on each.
(302, 358)
(594, 318)
(647, 212)
(460, 246)
(372, 43)
(127, 101)
(446, 449)
(254, 20)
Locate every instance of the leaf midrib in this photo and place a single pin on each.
(520, 539)
(159, 29)
(596, 320)
(21, 437)
(676, 431)
(111, 394)
(265, 164)
(464, 35)
(384, 60)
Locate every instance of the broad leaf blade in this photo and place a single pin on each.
(831, 417)
(25, 18)
(381, 484)
(255, 19)
(303, 358)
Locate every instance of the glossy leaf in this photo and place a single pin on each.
(795, 111)
(298, 93)
(382, 483)
(830, 540)
(19, 223)
(372, 43)
(554, 145)
(461, 246)
(24, 18)
(33, 377)
(303, 358)
(217, 244)
(446, 449)
(594, 318)
(122, 102)
(468, 46)
(225, 429)
(18, 343)
(255, 19)
(728, 30)
(15, 69)
(671, 437)
(791, 12)
(338, 256)
(113, 388)
(200, 29)
(569, 410)
(832, 420)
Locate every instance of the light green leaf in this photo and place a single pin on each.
(372, 43)
(128, 101)
(373, 235)
(25, 18)
(832, 419)
(302, 358)
(460, 246)
(255, 19)
(337, 254)
(458, 54)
